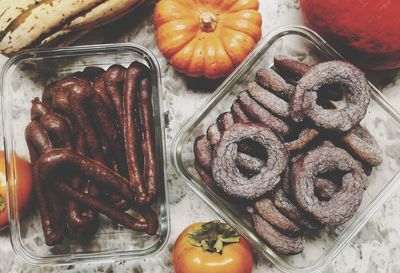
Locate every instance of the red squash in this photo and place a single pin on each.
(365, 31)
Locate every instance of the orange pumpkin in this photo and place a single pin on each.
(207, 37)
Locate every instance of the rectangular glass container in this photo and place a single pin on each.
(23, 78)
(381, 119)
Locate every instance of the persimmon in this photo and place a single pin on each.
(23, 187)
(212, 247)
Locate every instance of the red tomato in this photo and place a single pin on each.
(23, 184)
(234, 258)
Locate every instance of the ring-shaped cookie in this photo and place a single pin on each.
(344, 203)
(360, 141)
(304, 101)
(227, 174)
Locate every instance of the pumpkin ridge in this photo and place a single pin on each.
(185, 67)
(228, 62)
(179, 19)
(186, 5)
(162, 14)
(247, 30)
(227, 51)
(164, 37)
(199, 48)
(250, 4)
(185, 45)
(230, 52)
(240, 14)
(225, 7)
(238, 31)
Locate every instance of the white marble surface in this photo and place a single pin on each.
(375, 249)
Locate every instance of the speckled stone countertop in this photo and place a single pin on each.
(375, 249)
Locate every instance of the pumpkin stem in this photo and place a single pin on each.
(213, 236)
(208, 21)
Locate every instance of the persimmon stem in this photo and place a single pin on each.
(208, 21)
(213, 236)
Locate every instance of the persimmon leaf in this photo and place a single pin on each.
(2, 205)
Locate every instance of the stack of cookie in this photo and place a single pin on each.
(288, 153)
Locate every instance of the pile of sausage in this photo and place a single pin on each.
(289, 154)
(92, 147)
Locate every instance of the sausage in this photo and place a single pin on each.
(72, 98)
(79, 93)
(57, 129)
(37, 140)
(60, 103)
(48, 164)
(114, 79)
(149, 142)
(81, 221)
(148, 222)
(100, 89)
(113, 144)
(47, 95)
(49, 205)
(109, 156)
(38, 109)
(110, 132)
(134, 75)
(88, 167)
(69, 109)
(64, 84)
(93, 72)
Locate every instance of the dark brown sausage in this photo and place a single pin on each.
(148, 222)
(57, 129)
(93, 72)
(47, 95)
(110, 132)
(114, 79)
(81, 221)
(90, 168)
(79, 95)
(100, 88)
(37, 139)
(134, 75)
(64, 84)
(38, 109)
(73, 98)
(48, 167)
(150, 171)
(49, 205)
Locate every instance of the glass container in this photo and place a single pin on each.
(23, 78)
(381, 119)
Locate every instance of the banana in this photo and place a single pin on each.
(65, 38)
(55, 36)
(38, 19)
(10, 9)
(102, 14)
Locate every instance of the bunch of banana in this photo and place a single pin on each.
(34, 23)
